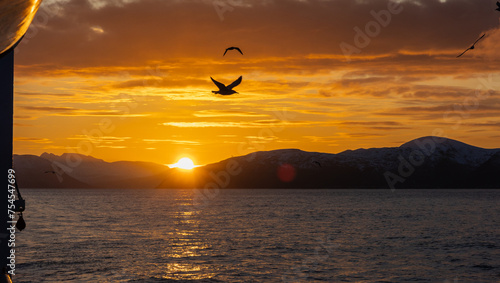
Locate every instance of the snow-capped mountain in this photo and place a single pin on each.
(456, 151)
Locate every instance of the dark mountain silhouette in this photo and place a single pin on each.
(427, 162)
(73, 170)
(35, 172)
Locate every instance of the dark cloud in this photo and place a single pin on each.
(495, 125)
(25, 117)
(371, 123)
(347, 82)
(21, 125)
(451, 114)
(69, 111)
(148, 30)
(35, 140)
(43, 94)
(160, 83)
(365, 135)
(48, 108)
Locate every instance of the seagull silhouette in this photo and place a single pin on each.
(53, 172)
(472, 47)
(498, 6)
(232, 48)
(226, 90)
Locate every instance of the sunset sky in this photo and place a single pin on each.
(130, 79)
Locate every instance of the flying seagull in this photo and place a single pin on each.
(472, 47)
(498, 6)
(226, 90)
(53, 172)
(232, 48)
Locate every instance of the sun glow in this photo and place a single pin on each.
(184, 163)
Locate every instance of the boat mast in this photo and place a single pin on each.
(15, 19)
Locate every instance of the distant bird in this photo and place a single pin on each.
(232, 48)
(316, 162)
(498, 6)
(472, 47)
(226, 90)
(53, 172)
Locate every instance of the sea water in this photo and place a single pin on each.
(134, 235)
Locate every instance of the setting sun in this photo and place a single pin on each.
(184, 163)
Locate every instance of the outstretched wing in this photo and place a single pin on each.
(463, 52)
(239, 50)
(479, 39)
(221, 86)
(235, 83)
(225, 52)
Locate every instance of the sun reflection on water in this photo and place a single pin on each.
(183, 259)
(186, 271)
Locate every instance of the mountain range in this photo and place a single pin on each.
(426, 162)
